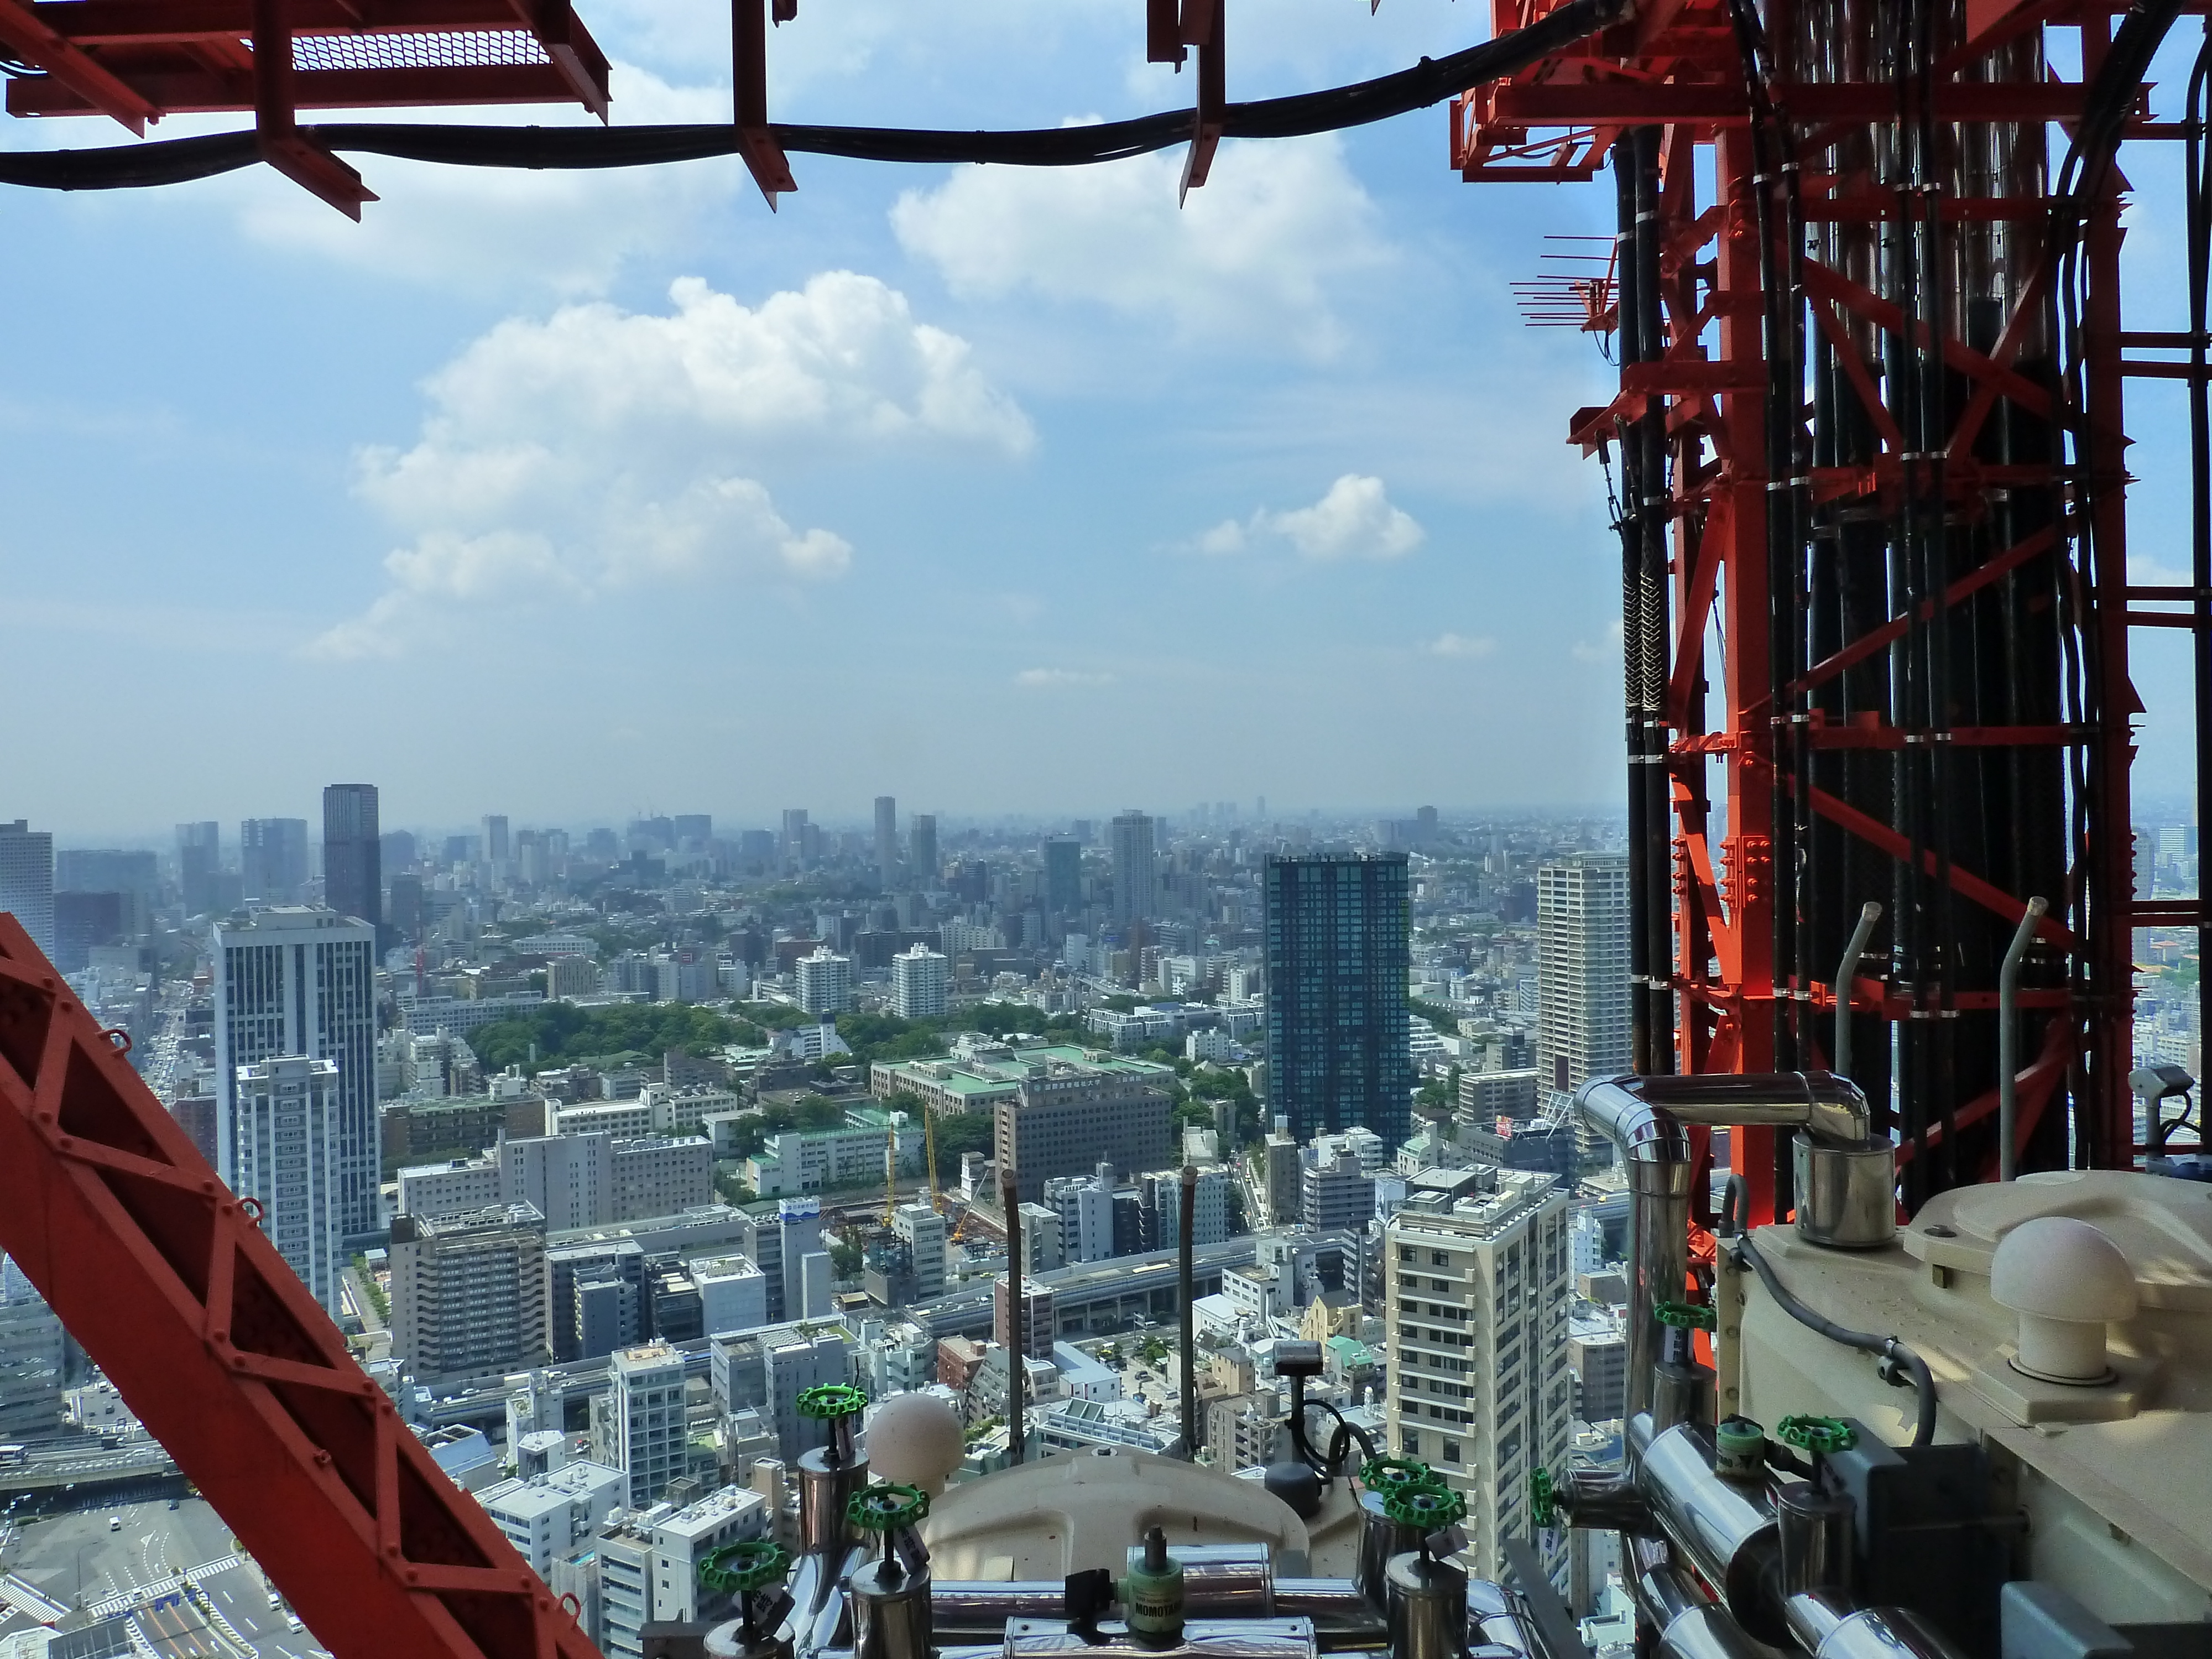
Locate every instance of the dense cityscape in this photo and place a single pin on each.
(603, 1146)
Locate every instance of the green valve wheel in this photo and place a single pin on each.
(1390, 1475)
(887, 1506)
(1430, 1508)
(830, 1400)
(1543, 1499)
(1817, 1434)
(740, 1569)
(1683, 1315)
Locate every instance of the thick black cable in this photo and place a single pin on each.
(1883, 1348)
(1430, 81)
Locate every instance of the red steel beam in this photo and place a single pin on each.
(763, 155)
(153, 22)
(199, 90)
(98, 87)
(163, 1278)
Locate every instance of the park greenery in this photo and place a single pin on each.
(561, 1033)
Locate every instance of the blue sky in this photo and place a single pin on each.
(564, 494)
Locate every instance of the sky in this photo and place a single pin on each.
(566, 495)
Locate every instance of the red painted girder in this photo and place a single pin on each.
(1636, 102)
(100, 89)
(140, 22)
(216, 1347)
(195, 90)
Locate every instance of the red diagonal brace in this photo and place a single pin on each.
(38, 43)
(305, 162)
(1202, 21)
(162, 1276)
(572, 49)
(756, 142)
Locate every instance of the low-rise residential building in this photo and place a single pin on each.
(649, 1563)
(819, 1160)
(547, 1516)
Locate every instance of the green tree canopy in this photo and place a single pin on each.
(564, 1032)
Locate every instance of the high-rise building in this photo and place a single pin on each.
(498, 846)
(353, 855)
(1476, 1309)
(396, 851)
(27, 880)
(288, 1159)
(1063, 875)
(469, 1292)
(825, 982)
(272, 860)
(31, 1355)
(648, 1433)
(921, 850)
(1338, 1048)
(1582, 974)
(795, 827)
(82, 922)
(135, 875)
(886, 838)
(199, 860)
(1136, 869)
(919, 981)
(299, 979)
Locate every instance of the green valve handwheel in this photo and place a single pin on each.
(887, 1506)
(742, 1568)
(1430, 1508)
(831, 1399)
(1543, 1505)
(1817, 1434)
(1683, 1315)
(1390, 1475)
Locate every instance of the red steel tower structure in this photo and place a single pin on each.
(1872, 506)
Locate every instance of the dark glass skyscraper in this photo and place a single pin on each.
(353, 857)
(1063, 876)
(1338, 951)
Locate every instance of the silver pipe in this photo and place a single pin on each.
(962, 1604)
(1605, 1499)
(1230, 1639)
(1644, 1118)
(1335, 1600)
(1815, 1529)
(1845, 1632)
(2008, 1040)
(1725, 1529)
(1223, 1581)
(1688, 1625)
(1847, 970)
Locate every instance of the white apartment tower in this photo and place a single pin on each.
(301, 979)
(924, 1232)
(1476, 1307)
(825, 982)
(288, 1161)
(27, 880)
(919, 978)
(1582, 974)
(649, 1438)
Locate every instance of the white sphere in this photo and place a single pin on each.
(916, 1440)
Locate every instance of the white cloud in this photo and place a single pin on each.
(1607, 650)
(1054, 679)
(1460, 645)
(1251, 257)
(1354, 520)
(599, 449)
